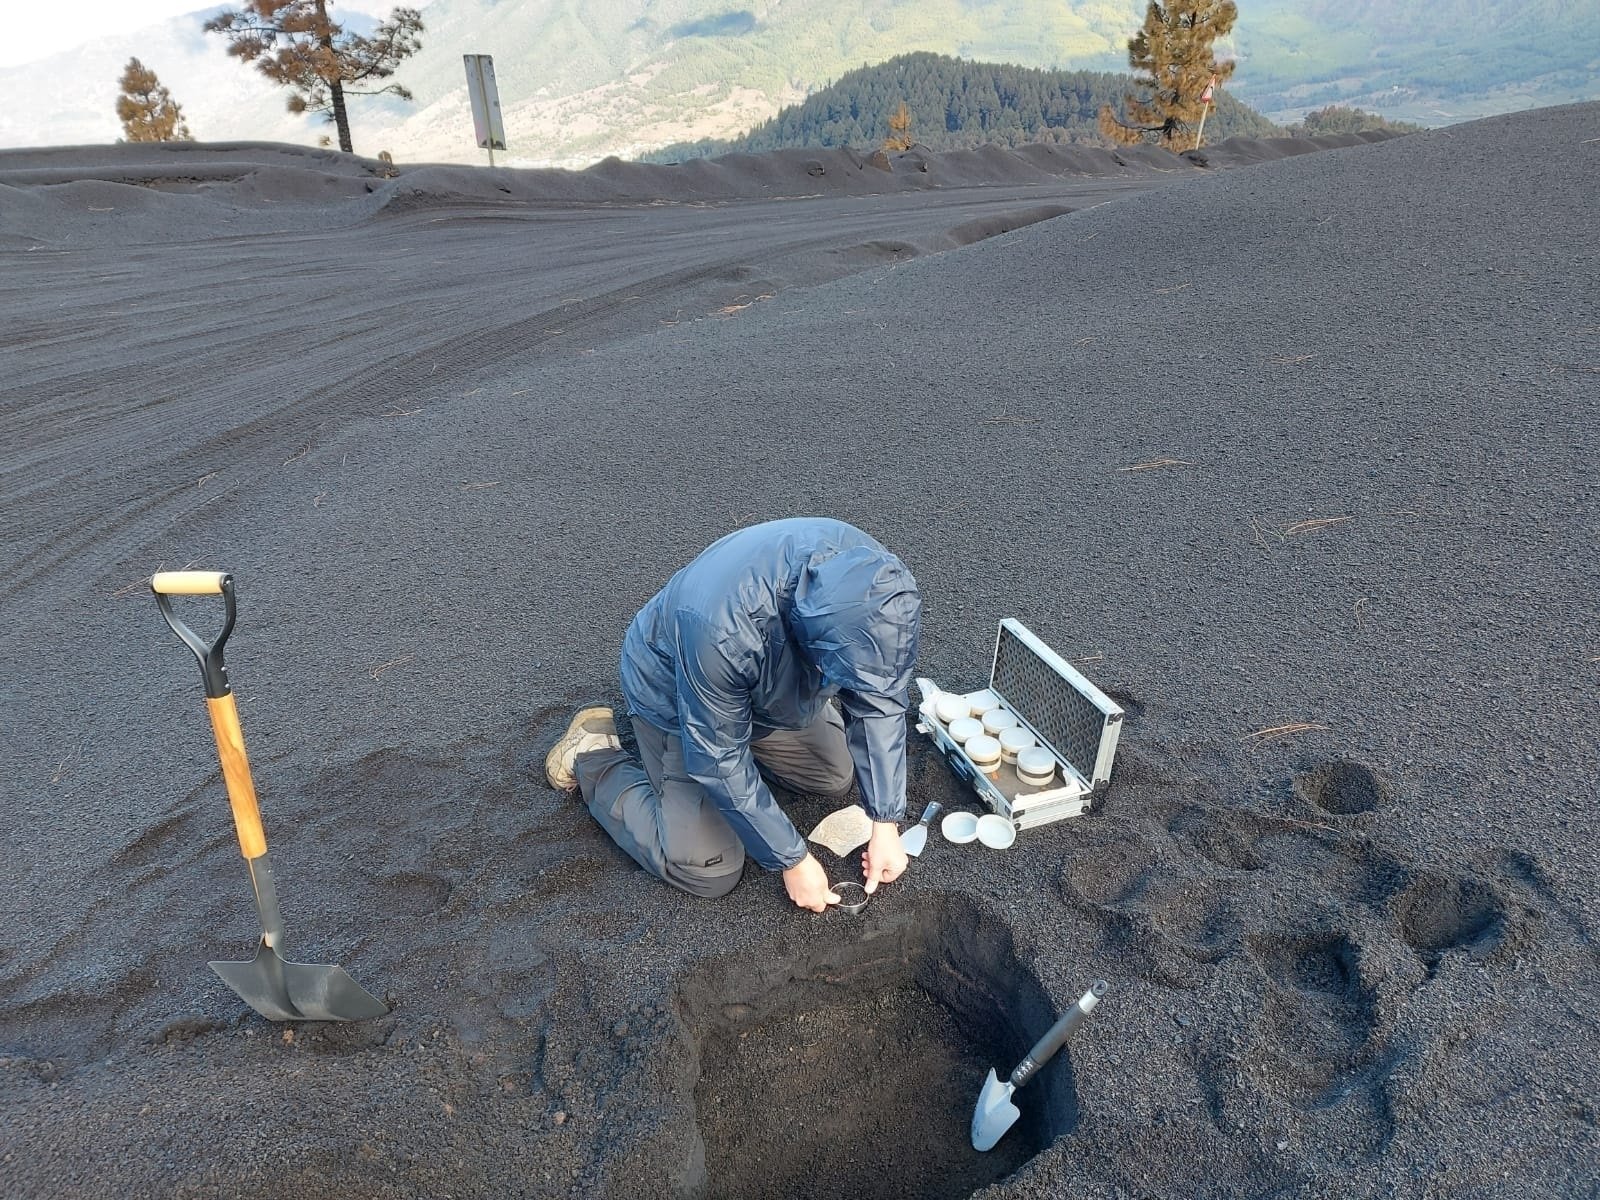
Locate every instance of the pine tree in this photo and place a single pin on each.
(1173, 61)
(1338, 119)
(899, 130)
(147, 110)
(296, 44)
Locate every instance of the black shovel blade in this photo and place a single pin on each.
(287, 991)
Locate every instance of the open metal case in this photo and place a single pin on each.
(1070, 717)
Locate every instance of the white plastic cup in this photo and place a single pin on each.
(949, 707)
(964, 729)
(1012, 742)
(981, 702)
(984, 751)
(998, 719)
(1036, 767)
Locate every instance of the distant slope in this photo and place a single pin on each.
(580, 79)
(1433, 62)
(954, 105)
(608, 76)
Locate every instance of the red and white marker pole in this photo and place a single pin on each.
(1205, 99)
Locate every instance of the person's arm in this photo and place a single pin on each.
(716, 723)
(875, 731)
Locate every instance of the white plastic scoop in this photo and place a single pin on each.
(914, 840)
(995, 1113)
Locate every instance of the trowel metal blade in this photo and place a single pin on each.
(288, 991)
(914, 840)
(995, 1113)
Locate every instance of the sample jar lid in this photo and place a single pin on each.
(983, 749)
(997, 719)
(1015, 740)
(966, 728)
(982, 702)
(995, 832)
(950, 706)
(960, 827)
(1036, 761)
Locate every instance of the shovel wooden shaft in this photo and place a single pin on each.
(236, 775)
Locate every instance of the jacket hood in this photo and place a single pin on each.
(857, 617)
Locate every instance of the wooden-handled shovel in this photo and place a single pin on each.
(276, 988)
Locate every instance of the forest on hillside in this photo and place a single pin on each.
(955, 104)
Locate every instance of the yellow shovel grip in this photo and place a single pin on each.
(236, 774)
(187, 583)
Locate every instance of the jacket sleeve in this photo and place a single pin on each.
(715, 723)
(875, 730)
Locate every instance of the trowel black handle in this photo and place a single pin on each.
(199, 583)
(929, 813)
(1058, 1034)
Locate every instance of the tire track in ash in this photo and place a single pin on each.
(105, 465)
(112, 520)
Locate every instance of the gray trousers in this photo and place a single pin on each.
(671, 827)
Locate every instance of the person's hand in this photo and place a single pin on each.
(807, 885)
(884, 859)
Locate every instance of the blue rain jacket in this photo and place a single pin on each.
(758, 633)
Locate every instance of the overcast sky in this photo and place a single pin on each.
(34, 29)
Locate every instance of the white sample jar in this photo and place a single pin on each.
(949, 707)
(964, 729)
(981, 702)
(998, 719)
(1012, 742)
(1036, 766)
(984, 751)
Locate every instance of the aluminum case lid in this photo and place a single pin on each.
(1070, 716)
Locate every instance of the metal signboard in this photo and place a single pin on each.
(487, 126)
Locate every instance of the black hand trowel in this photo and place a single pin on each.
(995, 1113)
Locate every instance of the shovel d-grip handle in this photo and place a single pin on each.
(199, 583)
(219, 696)
(1058, 1034)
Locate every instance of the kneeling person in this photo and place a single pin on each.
(788, 648)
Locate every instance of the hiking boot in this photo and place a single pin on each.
(591, 729)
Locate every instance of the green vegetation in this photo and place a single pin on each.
(1335, 119)
(954, 104)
